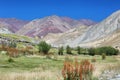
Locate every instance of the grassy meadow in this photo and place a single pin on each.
(37, 67)
(42, 62)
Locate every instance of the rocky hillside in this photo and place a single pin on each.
(62, 38)
(22, 40)
(110, 40)
(100, 30)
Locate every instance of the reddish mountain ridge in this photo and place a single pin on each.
(51, 24)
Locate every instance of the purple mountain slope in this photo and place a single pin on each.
(13, 24)
(51, 24)
(86, 22)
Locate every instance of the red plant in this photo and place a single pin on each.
(77, 71)
(12, 52)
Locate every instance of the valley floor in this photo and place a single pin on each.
(40, 68)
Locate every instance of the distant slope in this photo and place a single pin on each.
(13, 24)
(4, 28)
(41, 27)
(112, 39)
(50, 24)
(87, 22)
(63, 38)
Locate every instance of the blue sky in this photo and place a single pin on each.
(96, 10)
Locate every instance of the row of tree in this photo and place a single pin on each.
(106, 50)
(44, 47)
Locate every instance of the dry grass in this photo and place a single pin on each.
(98, 69)
(43, 75)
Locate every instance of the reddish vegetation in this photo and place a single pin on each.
(14, 52)
(77, 71)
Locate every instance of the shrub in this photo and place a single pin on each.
(68, 49)
(60, 50)
(10, 60)
(44, 47)
(12, 52)
(103, 56)
(12, 44)
(77, 71)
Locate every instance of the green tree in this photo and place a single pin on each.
(91, 51)
(68, 50)
(44, 47)
(60, 50)
(108, 50)
(12, 44)
(78, 50)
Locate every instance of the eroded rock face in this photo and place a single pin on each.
(62, 38)
(106, 27)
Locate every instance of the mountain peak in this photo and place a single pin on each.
(117, 12)
(87, 22)
(54, 16)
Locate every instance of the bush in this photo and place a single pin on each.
(12, 52)
(77, 71)
(44, 47)
(10, 60)
(60, 50)
(12, 44)
(103, 56)
(68, 49)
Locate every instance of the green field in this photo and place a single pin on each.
(36, 67)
